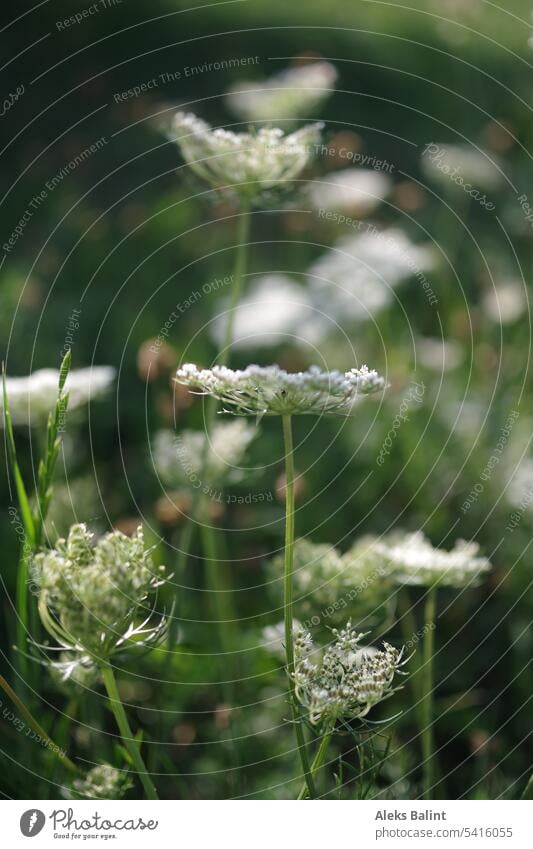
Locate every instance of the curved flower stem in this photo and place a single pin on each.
(38, 729)
(125, 732)
(427, 694)
(318, 760)
(287, 599)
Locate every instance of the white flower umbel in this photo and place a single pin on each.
(293, 93)
(92, 595)
(274, 310)
(355, 279)
(31, 398)
(92, 603)
(181, 459)
(506, 302)
(101, 782)
(453, 164)
(330, 585)
(346, 682)
(247, 163)
(358, 191)
(271, 391)
(411, 559)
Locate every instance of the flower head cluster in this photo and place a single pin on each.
(182, 460)
(411, 559)
(101, 782)
(91, 596)
(247, 163)
(347, 680)
(31, 398)
(293, 93)
(355, 279)
(332, 585)
(271, 391)
(354, 190)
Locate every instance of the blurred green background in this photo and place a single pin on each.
(126, 236)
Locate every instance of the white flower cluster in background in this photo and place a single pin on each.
(274, 310)
(445, 161)
(506, 301)
(346, 681)
(293, 93)
(330, 585)
(355, 278)
(181, 459)
(411, 559)
(355, 190)
(31, 398)
(271, 391)
(248, 163)
(101, 782)
(91, 595)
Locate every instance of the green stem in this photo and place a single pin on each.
(125, 732)
(427, 694)
(239, 272)
(318, 760)
(287, 599)
(34, 725)
(409, 636)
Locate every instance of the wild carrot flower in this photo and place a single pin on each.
(411, 559)
(347, 680)
(353, 190)
(271, 391)
(356, 277)
(31, 398)
(293, 93)
(92, 596)
(101, 782)
(330, 585)
(181, 459)
(274, 310)
(247, 163)
(459, 165)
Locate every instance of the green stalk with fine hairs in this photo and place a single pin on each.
(318, 760)
(33, 521)
(427, 684)
(287, 600)
(239, 273)
(125, 732)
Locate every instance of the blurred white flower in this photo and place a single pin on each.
(520, 489)
(440, 355)
(329, 585)
(273, 309)
(101, 782)
(273, 638)
(506, 302)
(355, 190)
(411, 559)
(356, 276)
(32, 398)
(180, 458)
(247, 163)
(293, 93)
(449, 162)
(272, 391)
